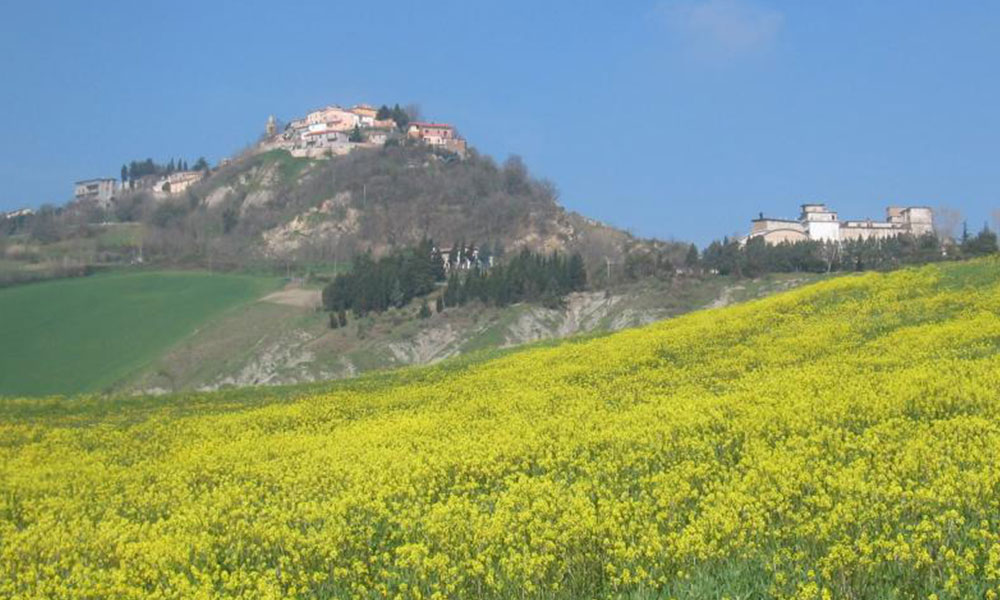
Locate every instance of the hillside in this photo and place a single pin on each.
(87, 334)
(282, 338)
(269, 208)
(838, 440)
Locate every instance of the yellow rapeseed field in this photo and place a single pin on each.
(837, 441)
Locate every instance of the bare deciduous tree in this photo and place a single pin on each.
(947, 221)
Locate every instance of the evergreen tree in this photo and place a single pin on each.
(425, 311)
(124, 173)
(691, 259)
(439, 305)
(356, 136)
(400, 117)
(577, 273)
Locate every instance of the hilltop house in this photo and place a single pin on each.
(439, 135)
(100, 190)
(366, 114)
(334, 117)
(817, 222)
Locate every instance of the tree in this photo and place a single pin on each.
(384, 112)
(439, 304)
(401, 118)
(425, 311)
(334, 322)
(985, 242)
(201, 164)
(691, 259)
(356, 136)
(413, 112)
(577, 273)
(124, 173)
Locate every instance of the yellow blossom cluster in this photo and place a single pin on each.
(837, 441)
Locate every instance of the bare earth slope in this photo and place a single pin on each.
(283, 338)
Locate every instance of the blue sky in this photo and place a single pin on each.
(673, 118)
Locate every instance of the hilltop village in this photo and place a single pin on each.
(322, 133)
(333, 130)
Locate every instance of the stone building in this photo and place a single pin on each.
(100, 190)
(817, 222)
(177, 182)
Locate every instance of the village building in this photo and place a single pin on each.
(818, 223)
(21, 212)
(326, 138)
(334, 117)
(100, 190)
(366, 114)
(328, 131)
(377, 137)
(438, 135)
(176, 182)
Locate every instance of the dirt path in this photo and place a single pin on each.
(295, 297)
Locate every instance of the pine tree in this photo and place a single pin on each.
(691, 260)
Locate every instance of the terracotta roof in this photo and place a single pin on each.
(430, 125)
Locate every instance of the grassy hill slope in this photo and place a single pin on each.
(837, 440)
(277, 342)
(85, 334)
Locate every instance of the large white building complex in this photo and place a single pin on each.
(819, 223)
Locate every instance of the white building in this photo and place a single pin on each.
(817, 222)
(21, 212)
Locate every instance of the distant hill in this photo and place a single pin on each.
(273, 208)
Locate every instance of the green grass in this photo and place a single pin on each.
(86, 334)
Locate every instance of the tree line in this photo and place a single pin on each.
(402, 116)
(756, 257)
(527, 277)
(391, 281)
(137, 169)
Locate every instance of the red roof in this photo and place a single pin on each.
(432, 125)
